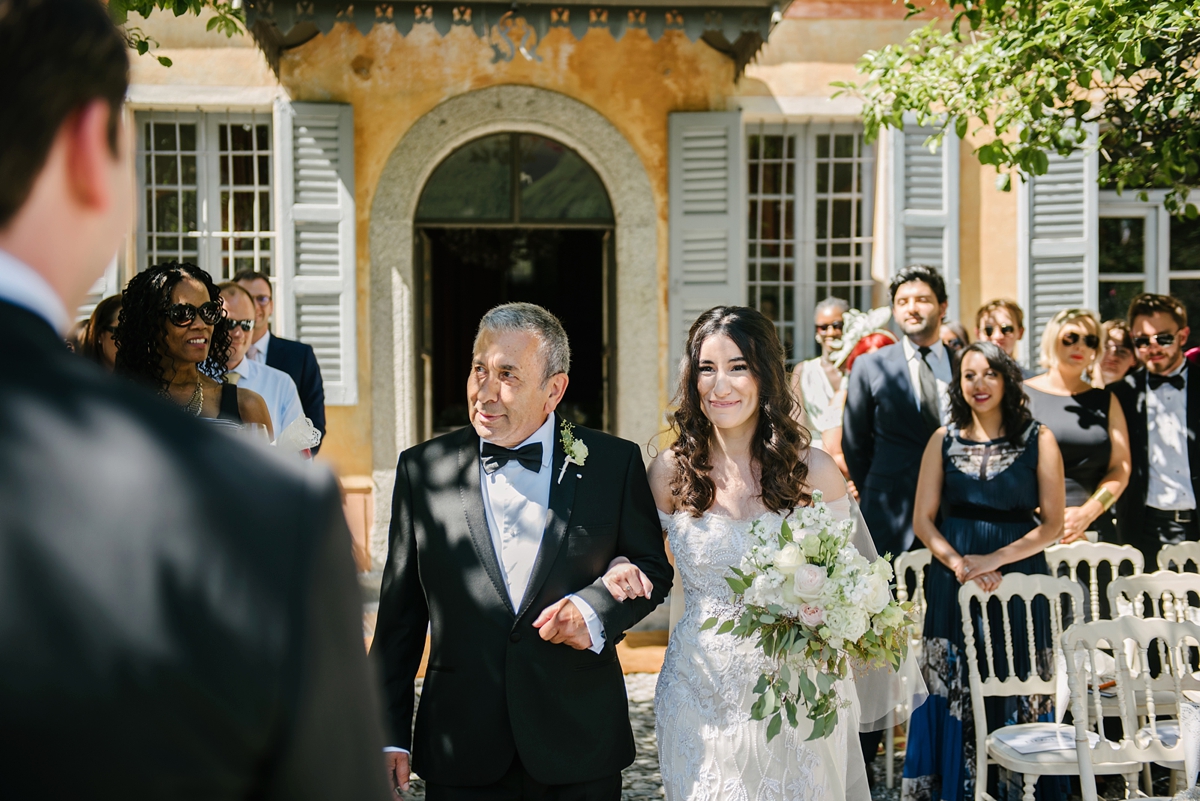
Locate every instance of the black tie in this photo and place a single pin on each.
(929, 400)
(494, 457)
(1156, 381)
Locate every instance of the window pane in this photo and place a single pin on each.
(771, 206)
(772, 174)
(1187, 290)
(1185, 244)
(1122, 244)
(472, 183)
(843, 146)
(843, 177)
(165, 171)
(164, 136)
(1116, 295)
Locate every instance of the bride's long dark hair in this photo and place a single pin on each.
(779, 441)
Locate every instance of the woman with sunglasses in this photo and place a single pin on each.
(98, 342)
(1086, 420)
(172, 336)
(816, 383)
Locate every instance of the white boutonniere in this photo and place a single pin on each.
(575, 449)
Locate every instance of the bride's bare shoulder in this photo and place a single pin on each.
(662, 471)
(824, 475)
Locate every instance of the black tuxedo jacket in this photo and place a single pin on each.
(179, 616)
(298, 360)
(493, 686)
(884, 437)
(1131, 506)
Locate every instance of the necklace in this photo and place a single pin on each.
(194, 404)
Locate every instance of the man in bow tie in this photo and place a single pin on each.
(1162, 407)
(501, 533)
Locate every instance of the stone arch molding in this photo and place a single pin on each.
(394, 357)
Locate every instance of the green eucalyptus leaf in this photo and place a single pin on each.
(708, 624)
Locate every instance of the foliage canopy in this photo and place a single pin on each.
(1038, 73)
(228, 18)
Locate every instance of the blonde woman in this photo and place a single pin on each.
(1086, 420)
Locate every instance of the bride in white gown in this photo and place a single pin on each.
(738, 457)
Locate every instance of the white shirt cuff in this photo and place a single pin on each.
(391, 749)
(595, 630)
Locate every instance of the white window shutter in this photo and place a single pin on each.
(315, 292)
(707, 220)
(1058, 251)
(106, 285)
(924, 195)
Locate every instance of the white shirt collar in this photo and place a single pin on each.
(23, 286)
(544, 435)
(937, 350)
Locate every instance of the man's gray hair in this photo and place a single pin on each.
(832, 303)
(553, 347)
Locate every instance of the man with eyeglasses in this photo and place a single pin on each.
(1162, 408)
(275, 386)
(294, 358)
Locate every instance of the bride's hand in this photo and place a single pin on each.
(625, 580)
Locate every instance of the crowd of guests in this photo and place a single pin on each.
(954, 446)
(208, 348)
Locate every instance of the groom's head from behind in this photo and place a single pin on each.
(518, 372)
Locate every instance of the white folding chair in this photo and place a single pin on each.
(914, 563)
(990, 749)
(1168, 591)
(1180, 554)
(1067, 558)
(1146, 737)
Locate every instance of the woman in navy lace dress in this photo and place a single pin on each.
(987, 472)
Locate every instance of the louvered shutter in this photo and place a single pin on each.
(924, 193)
(105, 286)
(316, 290)
(707, 220)
(1058, 248)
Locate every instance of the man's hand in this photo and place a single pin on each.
(397, 770)
(562, 622)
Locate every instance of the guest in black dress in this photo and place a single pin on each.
(987, 472)
(1087, 422)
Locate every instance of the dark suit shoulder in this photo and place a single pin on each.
(603, 442)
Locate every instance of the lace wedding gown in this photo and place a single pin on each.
(708, 747)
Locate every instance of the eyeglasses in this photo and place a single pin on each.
(1089, 340)
(1005, 330)
(826, 326)
(262, 300)
(245, 325)
(1162, 339)
(955, 344)
(182, 314)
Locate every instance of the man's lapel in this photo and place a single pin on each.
(1192, 400)
(562, 500)
(471, 492)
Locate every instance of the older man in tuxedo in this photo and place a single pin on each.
(1161, 401)
(165, 631)
(501, 534)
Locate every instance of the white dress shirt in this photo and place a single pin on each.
(277, 389)
(939, 361)
(23, 286)
(516, 501)
(258, 351)
(1170, 485)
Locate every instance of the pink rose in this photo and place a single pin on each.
(812, 616)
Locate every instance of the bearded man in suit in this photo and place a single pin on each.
(166, 630)
(501, 536)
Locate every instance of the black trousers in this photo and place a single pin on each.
(518, 785)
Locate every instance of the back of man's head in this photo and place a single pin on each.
(56, 56)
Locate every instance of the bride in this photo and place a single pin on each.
(738, 457)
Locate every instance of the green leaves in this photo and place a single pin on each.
(1030, 74)
(225, 19)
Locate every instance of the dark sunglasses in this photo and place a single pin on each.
(182, 314)
(1089, 340)
(835, 326)
(1006, 330)
(955, 344)
(1162, 339)
(245, 325)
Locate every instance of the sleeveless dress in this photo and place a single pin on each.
(821, 402)
(709, 748)
(989, 493)
(229, 416)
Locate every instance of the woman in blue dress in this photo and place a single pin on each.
(987, 472)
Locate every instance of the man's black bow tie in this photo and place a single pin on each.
(1157, 381)
(494, 457)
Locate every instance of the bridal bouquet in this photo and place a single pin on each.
(816, 606)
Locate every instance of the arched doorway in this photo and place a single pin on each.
(514, 217)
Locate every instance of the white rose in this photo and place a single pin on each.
(847, 622)
(811, 545)
(810, 580)
(789, 558)
(580, 451)
(879, 594)
(889, 617)
(812, 616)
